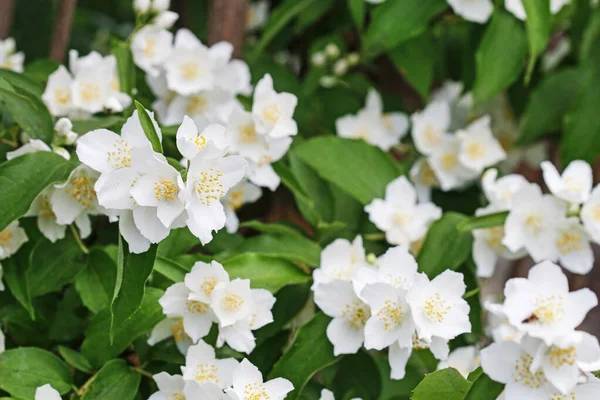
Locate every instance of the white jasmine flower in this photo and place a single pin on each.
(347, 329)
(399, 215)
(239, 336)
(47, 392)
(169, 387)
(211, 141)
(396, 267)
(91, 89)
(208, 181)
(500, 192)
(232, 301)
(511, 363)
(430, 126)
(575, 184)
(446, 164)
(562, 364)
(46, 219)
(574, 250)
(424, 179)
(371, 124)
(257, 15)
(478, 147)
(160, 5)
(532, 223)
(203, 279)
(151, 47)
(390, 320)
(8, 58)
(242, 193)
(477, 11)
(488, 247)
(165, 20)
(57, 95)
(11, 239)
(437, 306)
(273, 111)
(202, 366)
(398, 356)
(464, 359)
(248, 384)
(191, 66)
(197, 316)
(498, 326)
(171, 327)
(590, 214)
(339, 261)
(542, 306)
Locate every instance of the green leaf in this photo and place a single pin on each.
(539, 22)
(359, 169)
(170, 269)
(24, 177)
(21, 81)
(386, 32)
(178, 242)
(87, 125)
(273, 228)
(312, 14)
(265, 272)
(133, 270)
(17, 279)
(28, 111)
(97, 346)
(305, 205)
(358, 376)
(24, 369)
(483, 388)
(75, 359)
(53, 265)
(483, 221)
(445, 246)
(114, 381)
(148, 127)
(415, 60)
(447, 384)
(125, 67)
(549, 102)
(358, 12)
(96, 283)
(310, 352)
(500, 56)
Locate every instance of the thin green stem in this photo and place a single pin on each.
(82, 245)
(141, 371)
(12, 144)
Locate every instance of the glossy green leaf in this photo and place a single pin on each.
(265, 272)
(359, 169)
(358, 10)
(447, 384)
(114, 381)
(133, 270)
(500, 56)
(125, 67)
(24, 177)
(75, 359)
(415, 60)
(538, 22)
(483, 221)
(21, 81)
(170, 269)
(98, 347)
(445, 246)
(24, 369)
(483, 388)
(87, 125)
(149, 128)
(96, 282)
(358, 376)
(310, 352)
(385, 32)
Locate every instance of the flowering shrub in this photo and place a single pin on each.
(325, 217)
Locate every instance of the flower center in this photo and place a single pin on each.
(177, 396)
(523, 375)
(90, 91)
(495, 235)
(533, 223)
(44, 207)
(62, 96)
(232, 303)
(419, 344)
(196, 307)
(271, 113)
(549, 309)
(362, 133)
(189, 70)
(428, 175)
(208, 285)
(236, 200)
(387, 122)
(165, 189)
(356, 315)
(178, 331)
(82, 190)
(475, 150)
(208, 186)
(449, 161)
(560, 357)
(436, 308)
(596, 212)
(255, 391)
(5, 237)
(115, 85)
(569, 242)
(120, 157)
(206, 373)
(248, 134)
(200, 142)
(573, 184)
(558, 396)
(150, 48)
(432, 135)
(402, 218)
(391, 315)
(196, 105)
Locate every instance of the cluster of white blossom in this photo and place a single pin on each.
(559, 226)
(329, 59)
(388, 304)
(384, 130)
(9, 59)
(207, 296)
(401, 215)
(90, 85)
(537, 352)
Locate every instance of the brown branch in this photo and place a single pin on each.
(227, 22)
(62, 29)
(6, 16)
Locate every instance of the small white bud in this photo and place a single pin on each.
(71, 138)
(63, 126)
(165, 19)
(318, 59)
(340, 67)
(353, 59)
(161, 5)
(332, 50)
(328, 81)
(371, 258)
(141, 6)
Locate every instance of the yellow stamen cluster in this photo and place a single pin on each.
(391, 315)
(44, 207)
(208, 186)
(206, 373)
(196, 105)
(356, 315)
(248, 134)
(449, 161)
(208, 285)
(165, 189)
(177, 396)
(90, 91)
(549, 309)
(189, 70)
(533, 223)
(432, 135)
(402, 218)
(560, 357)
(523, 375)
(82, 190)
(62, 95)
(436, 308)
(236, 200)
(495, 236)
(475, 150)
(569, 242)
(120, 157)
(255, 391)
(232, 303)
(5, 237)
(178, 331)
(150, 47)
(271, 113)
(196, 307)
